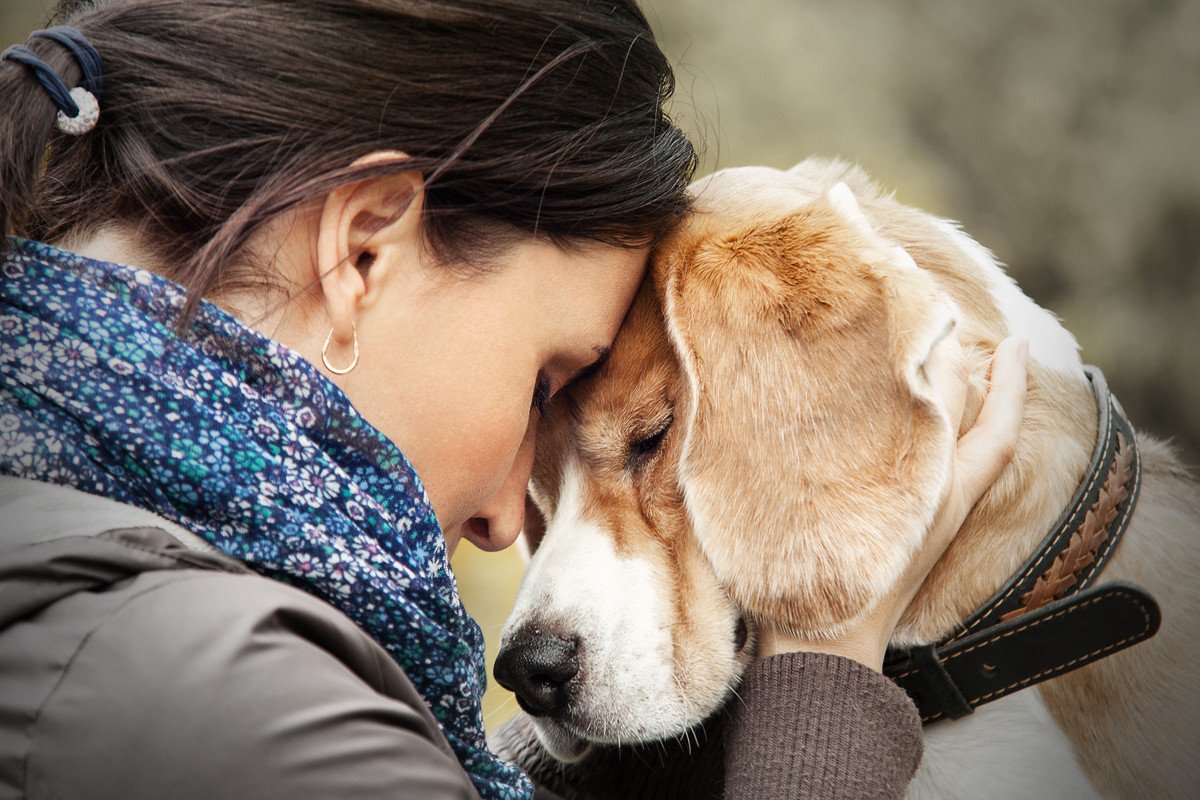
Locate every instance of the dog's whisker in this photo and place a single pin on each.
(505, 706)
(733, 691)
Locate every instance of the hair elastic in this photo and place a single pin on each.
(78, 108)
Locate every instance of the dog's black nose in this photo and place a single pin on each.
(538, 668)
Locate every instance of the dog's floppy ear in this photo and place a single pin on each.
(815, 451)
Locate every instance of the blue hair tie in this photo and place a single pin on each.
(78, 108)
(83, 50)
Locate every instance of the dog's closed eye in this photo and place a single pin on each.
(642, 450)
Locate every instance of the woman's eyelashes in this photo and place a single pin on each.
(543, 389)
(541, 394)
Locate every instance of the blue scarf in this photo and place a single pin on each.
(243, 442)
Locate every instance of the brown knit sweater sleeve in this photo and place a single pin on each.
(815, 725)
(802, 726)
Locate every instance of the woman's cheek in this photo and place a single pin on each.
(488, 449)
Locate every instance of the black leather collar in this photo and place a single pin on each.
(1048, 618)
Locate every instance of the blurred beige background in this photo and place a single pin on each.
(1063, 135)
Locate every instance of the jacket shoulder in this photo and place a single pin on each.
(202, 684)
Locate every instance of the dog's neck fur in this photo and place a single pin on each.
(1051, 456)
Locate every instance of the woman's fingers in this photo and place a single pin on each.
(981, 454)
(985, 449)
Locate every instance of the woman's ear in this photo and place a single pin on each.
(369, 231)
(812, 460)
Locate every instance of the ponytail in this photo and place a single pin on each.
(26, 128)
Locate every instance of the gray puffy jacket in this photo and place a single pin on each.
(140, 664)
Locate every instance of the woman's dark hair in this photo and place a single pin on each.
(534, 116)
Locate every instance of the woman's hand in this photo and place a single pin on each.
(981, 454)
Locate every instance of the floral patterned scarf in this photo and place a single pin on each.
(243, 442)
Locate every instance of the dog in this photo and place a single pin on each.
(763, 445)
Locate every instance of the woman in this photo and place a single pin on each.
(299, 278)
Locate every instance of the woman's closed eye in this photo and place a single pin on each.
(543, 390)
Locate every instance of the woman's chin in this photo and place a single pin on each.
(560, 743)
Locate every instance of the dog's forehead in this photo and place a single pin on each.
(639, 377)
(641, 347)
(742, 193)
(637, 381)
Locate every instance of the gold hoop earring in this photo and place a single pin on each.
(325, 354)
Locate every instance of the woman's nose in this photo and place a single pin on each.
(500, 521)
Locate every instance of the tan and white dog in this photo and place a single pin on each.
(764, 444)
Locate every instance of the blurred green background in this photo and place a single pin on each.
(1062, 134)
